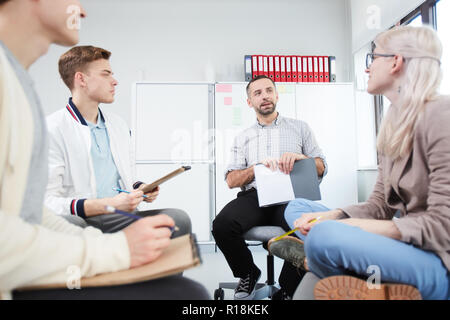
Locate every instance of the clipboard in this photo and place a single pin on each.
(153, 185)
(181, 254)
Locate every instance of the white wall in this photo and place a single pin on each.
(198, 40)
(370, 17)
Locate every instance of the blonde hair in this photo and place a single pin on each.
(422, 51)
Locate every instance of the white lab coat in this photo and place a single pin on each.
(71, 171)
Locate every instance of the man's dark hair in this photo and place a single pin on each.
(3, 1)
(259, 78)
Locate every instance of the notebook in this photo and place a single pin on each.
(181, 254)
(276, 187)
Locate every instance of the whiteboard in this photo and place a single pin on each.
(189, 191)
(209, 117)
(329, 109)
(172, 122)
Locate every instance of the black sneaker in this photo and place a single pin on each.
(245, 289)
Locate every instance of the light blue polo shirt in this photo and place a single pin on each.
(106, 175)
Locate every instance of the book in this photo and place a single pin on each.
(181, 254)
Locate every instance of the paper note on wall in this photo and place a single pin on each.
(286, 89)
(289, 89)
(237, 116)
(228, 101)
(228, 88)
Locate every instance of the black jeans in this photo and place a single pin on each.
(236, 218)
(168, 288)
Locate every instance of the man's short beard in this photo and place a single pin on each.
(268, 111)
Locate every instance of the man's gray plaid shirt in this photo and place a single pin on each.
(260, 142)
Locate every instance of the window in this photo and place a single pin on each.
(416, 22)
(386, 105)
(365, 124)
(443, 30)
(431, 12)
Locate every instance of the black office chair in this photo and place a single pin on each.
(263, 290)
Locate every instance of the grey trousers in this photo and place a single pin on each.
(114, 222)
(305, 290)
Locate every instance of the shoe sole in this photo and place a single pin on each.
(351, 288)
(298, 263)
(286, 237)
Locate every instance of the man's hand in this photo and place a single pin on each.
(152, 195)
(270, 163)
(239, 178)
(286, 162)
(127, 201)
(147, 238)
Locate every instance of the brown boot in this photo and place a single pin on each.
(351, 288)
(290, 249)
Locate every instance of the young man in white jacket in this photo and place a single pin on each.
(38, 247)
(90, 150)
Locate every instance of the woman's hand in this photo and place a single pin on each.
(308, 220)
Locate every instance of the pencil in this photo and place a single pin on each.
(120, 190)
(293, 230)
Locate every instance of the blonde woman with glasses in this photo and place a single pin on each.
(362, 251)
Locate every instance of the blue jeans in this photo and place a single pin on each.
(334, 248)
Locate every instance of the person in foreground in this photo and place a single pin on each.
(362, 251)
(38, 247)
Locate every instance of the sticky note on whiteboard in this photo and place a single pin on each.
(228, 101)
(289, 89)
(237, 117)
(221, 87)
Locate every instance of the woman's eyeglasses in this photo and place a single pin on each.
(371, 56)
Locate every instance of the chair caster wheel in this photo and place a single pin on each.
(219, 294)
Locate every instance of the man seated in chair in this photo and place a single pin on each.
(276, 142)
(90, 150)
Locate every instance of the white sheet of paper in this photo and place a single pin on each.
(273, 186)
